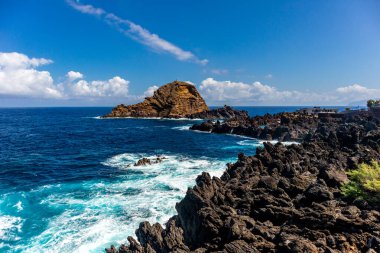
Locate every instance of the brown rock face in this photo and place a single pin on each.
(172, 100)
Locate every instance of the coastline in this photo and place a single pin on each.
(199, 225)
(112, 186)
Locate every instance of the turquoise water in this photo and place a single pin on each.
(67, 180)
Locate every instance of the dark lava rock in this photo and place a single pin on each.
(226, 112)
(143, 161)
(283, 199)
(146, 161)
(282, 126)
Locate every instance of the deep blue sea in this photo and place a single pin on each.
(67, 180)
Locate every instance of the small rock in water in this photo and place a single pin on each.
(146, 161)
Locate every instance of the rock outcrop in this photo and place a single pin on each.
(147, 161)
(173, 100)
(282, 126)
(283, 199)
(225, 112)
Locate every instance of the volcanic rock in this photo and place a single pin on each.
(282, 199)
(282, 126)
(146, 161)
(225, 112)
(173, 100)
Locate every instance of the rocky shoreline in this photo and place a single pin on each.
(281, 126)
(283, 199)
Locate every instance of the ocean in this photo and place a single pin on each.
(67, 180)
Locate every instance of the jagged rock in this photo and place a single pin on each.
(143, 161)
(146, 161)
(282, 126)
(283, 199)
(173, 100)
(225, 112)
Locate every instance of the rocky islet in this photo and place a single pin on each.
(175, 100)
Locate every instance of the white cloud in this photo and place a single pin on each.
(16, 60)
(227, 90)
(73, 75)
(256, 93)
(190, 82)
(139, 33)
(114, 87)
(86, 8)
(355, 88)
(150, 91)
(18, 77)
(356, 92)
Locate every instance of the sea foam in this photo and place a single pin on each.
(93, 215)
(10, 226)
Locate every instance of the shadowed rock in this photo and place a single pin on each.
(146, 161)
(283, 199)
(225, 112)
(282, 126)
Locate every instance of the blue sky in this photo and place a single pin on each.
(236, 52)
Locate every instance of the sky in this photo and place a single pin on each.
(102, 53)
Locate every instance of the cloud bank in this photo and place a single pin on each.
(138, 33)
(19, 77)
(256, 93)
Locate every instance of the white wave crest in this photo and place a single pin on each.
(182, 128)
(286, 143)
(10, 227)
(150, 118)
(250, 142)
(96, 214)
(257, 142)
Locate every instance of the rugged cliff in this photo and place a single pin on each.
(172, 100)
